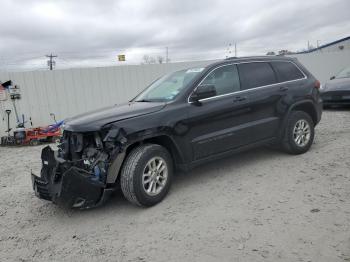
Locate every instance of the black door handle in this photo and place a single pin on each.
(283, 88)
(239, 99)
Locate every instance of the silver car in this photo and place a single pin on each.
(337, 90)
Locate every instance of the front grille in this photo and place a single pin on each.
(336, 96)
(336, 93)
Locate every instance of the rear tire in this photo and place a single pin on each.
(299, 133)
(146, 175)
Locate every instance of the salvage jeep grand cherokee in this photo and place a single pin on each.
(181, 120)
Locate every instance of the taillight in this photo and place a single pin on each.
(317, 84)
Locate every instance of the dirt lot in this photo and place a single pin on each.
(259, 205)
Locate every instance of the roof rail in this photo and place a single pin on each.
(257, 57)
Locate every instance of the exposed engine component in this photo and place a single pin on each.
(82, 158)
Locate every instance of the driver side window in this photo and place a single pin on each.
(225, 79)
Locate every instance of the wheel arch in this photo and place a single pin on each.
(306, 106)
(169, 144)
(162, 140)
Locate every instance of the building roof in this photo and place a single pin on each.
(325, 45)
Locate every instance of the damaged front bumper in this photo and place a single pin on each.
(67, 185)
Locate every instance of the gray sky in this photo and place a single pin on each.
(93, 33)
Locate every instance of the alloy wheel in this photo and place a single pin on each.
(301, 133)
(155, 175)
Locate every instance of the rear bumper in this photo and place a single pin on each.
(67, 185)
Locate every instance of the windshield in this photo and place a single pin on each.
(345, 73)
(168, 87)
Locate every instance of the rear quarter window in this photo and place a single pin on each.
(286, 71)
(256, 74)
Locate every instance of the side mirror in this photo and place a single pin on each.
(332, 77)
(202, 92)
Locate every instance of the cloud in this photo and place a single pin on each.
(88, 32)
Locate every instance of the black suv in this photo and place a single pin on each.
(181, 120)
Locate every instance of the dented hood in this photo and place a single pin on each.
(94, 120)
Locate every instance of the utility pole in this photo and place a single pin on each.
(228, 54)
(51, 63)
(318, 46)
(166, 54)
(229, 51)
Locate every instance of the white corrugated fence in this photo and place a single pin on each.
(73, 91)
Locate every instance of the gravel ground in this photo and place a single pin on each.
(255, 206)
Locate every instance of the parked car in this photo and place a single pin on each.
(181, 120)
(337, 90)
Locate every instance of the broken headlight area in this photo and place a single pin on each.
(87, 152)
(76, 174)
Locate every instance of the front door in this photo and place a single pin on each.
(217, 124)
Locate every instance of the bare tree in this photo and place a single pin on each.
(145, 59)
(148, 59)
(152, 60)
(284, 52)
(160, 59)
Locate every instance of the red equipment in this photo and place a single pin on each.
(33, 136)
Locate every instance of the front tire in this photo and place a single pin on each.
(146, 175)
(299, 133)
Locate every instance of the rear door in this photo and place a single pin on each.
(259, 82)
(290, 78)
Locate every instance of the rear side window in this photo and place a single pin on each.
(286, 71)
(255, 75)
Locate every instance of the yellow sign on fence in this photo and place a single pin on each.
(121, 58)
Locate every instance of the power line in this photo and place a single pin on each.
(51, 63)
